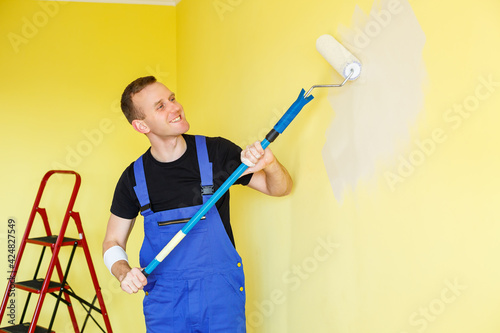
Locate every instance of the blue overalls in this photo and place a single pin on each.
(199, 286)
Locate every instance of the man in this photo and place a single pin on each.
(199, 287)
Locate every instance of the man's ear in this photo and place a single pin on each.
(140, 126)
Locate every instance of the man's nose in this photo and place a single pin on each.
(175, 106)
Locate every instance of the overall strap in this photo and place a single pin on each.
(141, 189)
(207, 185)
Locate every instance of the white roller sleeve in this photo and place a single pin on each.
(338, 56)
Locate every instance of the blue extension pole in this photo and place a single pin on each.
(280, 126)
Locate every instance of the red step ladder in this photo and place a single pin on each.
(59, 289)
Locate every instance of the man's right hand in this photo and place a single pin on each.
(133, 281)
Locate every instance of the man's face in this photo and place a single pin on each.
(164, 116)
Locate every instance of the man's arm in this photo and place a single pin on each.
(269, 176)
(131, 279)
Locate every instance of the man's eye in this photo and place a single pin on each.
(172, 99)
(160, 106)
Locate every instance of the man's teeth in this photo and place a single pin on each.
(176, 120)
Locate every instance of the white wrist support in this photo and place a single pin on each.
(114, 254)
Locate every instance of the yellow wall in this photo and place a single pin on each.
(421, 258)
(60, 86)
(429, 245)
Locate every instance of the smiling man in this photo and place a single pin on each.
(199, 287)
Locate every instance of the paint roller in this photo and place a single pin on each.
(343, 62)
(339, 57)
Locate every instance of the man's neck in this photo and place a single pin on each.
(168, 149)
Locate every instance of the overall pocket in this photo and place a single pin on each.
(191, 255)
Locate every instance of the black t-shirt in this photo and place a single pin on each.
(177, 184)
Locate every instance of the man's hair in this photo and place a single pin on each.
(128, 107)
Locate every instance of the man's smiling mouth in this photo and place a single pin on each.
(176, 120)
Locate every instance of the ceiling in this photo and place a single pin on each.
(136, 2)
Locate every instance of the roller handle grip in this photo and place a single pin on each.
(292, 112)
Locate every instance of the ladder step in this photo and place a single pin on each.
(35, 286)
(23, 328)
(51, 240)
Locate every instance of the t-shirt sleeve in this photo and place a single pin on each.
(125, 203)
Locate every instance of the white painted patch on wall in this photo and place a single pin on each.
(375, 113)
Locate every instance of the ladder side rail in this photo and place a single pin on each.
(69, 210)
(93, 275)
(45, 219)
(63, 286)
(58, 264)
(58, 267)
(20, 251)
(57, 245)
(48, 276)
(62, 279)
